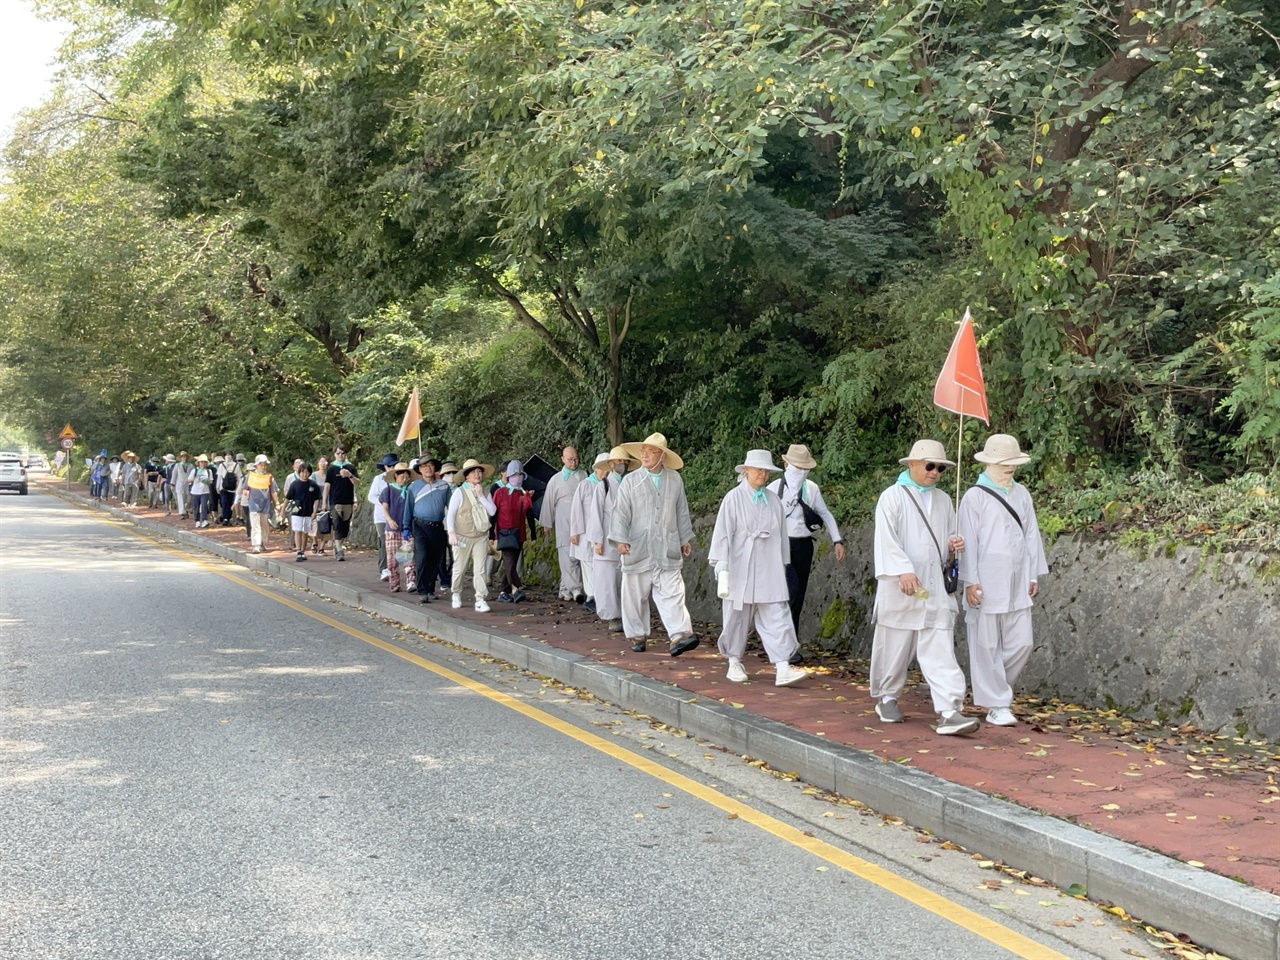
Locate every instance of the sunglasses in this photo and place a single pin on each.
(935, 468)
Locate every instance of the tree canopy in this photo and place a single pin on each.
(741, 222)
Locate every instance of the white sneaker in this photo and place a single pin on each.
(481, 607)
(737, 672)
(889, 712)
(386, 574)
(787, 675)
(1001, 717)
(457, 601)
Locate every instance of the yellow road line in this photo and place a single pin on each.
(935, 903)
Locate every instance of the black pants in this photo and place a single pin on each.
(511, 581)
(226, 500)
(798, 576)
(430, 544)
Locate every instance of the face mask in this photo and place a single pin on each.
(620, 468)
(1001, 473)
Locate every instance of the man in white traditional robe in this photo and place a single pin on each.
(750, 548)
(652, 531)
(1000, 570)
(553, 515)
(580, 546)
(914, 616)
(606, 569)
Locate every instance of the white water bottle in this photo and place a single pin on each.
(722, 584)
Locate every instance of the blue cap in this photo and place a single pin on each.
(390, 460)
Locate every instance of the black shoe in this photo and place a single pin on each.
(424, 598)
(504, 598)
(684, 645)
(637, 646)
(796, 658)
(517, 596)
(579, 597)
(590, 605)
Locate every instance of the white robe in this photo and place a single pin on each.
(1004, 559)
(903, 545)
(751, 537)
(605, 572)
(578, 510)
(557, 503)
(653, 521)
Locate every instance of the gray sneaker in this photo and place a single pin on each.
(950, 724)
(888, 712)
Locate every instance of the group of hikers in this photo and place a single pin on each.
(623, 531)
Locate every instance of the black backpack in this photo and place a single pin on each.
(231, 480)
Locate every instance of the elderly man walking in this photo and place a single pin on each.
(653, 534)
(468, 519)
(579, 513)
(750, 551)
(605, 566)
(1003, 561)
(553, 515)
(180, 479)
(914, 615)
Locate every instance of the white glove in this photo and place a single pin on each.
(722, 566)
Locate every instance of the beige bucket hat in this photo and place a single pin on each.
(620, 453)
(762, 459)
(930, 450)
(670, 458)
(471, 464)
(798, 455)
(1002, 449)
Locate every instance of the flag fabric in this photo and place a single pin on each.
(412, 416)
(960, 387)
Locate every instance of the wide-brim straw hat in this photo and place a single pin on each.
(202, 456)
(400, 467)
(1002, 449)
(620, 453)
(471, 464)
(930, 450)
(798, 456)
(602, 463)
(670, 458)
(169, 458)
(418, 464)
(762, 459)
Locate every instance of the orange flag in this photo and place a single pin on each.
(412, 416)
(960, 387)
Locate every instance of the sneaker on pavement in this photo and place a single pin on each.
(682, 643)
(504, 598)
(1002, 717)
(787, 675)
(950, 724)
(638, 645)
(737, 672)
(481, 607)
(888, 712)
(457, 601)
(590, 605)
(300, 557)
(615, 626)
(518, 595)
(386, 574)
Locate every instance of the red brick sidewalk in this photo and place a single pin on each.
(1192, 806)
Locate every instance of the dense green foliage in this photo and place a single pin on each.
(741, 222)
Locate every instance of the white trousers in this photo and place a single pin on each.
(772, 622)
(259, 528)
(182, 497)
(607, 580)
(587, 570)
(999, 645)
(667, 589)
(476, 552)
(570, 573)
(892, 651)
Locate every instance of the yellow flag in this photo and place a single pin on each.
(409, 429)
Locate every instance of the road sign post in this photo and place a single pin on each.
(68, 438)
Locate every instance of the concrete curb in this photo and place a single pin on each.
(1229, 917)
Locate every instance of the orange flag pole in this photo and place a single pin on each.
(409, 426)
(960, 387)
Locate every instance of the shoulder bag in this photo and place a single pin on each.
(812, 520)
(950, 571)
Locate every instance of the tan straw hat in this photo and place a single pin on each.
(471, 464)
(670, 458)
(400, 467)
(202, 456)
(762, 459)
(601, 464)
(798, 455)
(1003, 449)
(620, 453)
(930, 450)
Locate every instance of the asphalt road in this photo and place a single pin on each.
(191, 769)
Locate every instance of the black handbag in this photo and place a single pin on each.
(324, 523)
(812, 520)
(508, 538)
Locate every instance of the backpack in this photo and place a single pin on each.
(231, 480)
